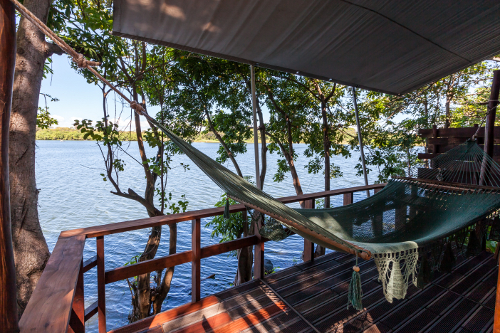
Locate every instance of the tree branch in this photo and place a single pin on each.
(51, 48)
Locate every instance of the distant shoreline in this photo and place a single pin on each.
(72, 134)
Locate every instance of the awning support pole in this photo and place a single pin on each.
(490, 118)
(489, 128)
(255, 133)
(360, 138)
(488, 148)
(8, 301)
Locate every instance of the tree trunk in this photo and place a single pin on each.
(447, 108)
(30, 249)
(263, 150)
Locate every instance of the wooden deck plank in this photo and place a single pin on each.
(480, 321)
(459, 301)
(334, 284)
(167, 315)
(335, 275)
(455, 317)
(251, 319)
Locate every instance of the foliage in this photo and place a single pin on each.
(44, 120)
(390, 124)
(228, 229)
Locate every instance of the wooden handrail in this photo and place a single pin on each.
(147, 266)
(113, 228)
(51, 303)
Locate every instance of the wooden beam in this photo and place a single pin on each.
(349, 199)
(463, 132)
(147, 266)
(8, 301)
(308, 254)
(101, 285)
(77, 319)
(258, 261)
(114, 228)
(51, 303)
(496, 322)
(213, 250)
(489, 128)
(196, 261)
(89, 264)
(91, 311)
(169, 315)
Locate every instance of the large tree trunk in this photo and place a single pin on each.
(30, 249)
(447, 110)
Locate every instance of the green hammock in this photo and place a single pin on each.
(393, 226)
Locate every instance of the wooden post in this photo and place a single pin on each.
(258, 263)
(77, 319)
(349, 199)
(490, 118)
(8, 301)
(196, 261)
(360, 139)
(489, 128)
(308, 245)
(255, 131)
(434, 150)
(496, 322)
(101, 286)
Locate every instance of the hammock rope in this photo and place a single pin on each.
(412, 217)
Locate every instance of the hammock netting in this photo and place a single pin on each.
(409, 224)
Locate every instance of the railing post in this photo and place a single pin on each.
(258, 263)
(77, 319)
(308, 245)
(349, 199)
(196, 260)
(101, 287)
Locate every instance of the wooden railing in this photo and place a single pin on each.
(57, 304)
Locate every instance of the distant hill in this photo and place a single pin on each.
(67, 133)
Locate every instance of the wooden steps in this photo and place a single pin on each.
(462, 301)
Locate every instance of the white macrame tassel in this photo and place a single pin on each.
(396, 287)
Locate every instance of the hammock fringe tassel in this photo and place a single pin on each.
(355, 292)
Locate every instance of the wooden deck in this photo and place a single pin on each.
(312, 297)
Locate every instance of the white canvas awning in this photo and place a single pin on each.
(392, 46)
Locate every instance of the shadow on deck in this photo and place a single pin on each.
(312, 297)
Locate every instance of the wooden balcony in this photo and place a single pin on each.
(312, 297)
(306, 297)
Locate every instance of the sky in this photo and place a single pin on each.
(79, 99)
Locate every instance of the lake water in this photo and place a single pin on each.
(74, 195)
